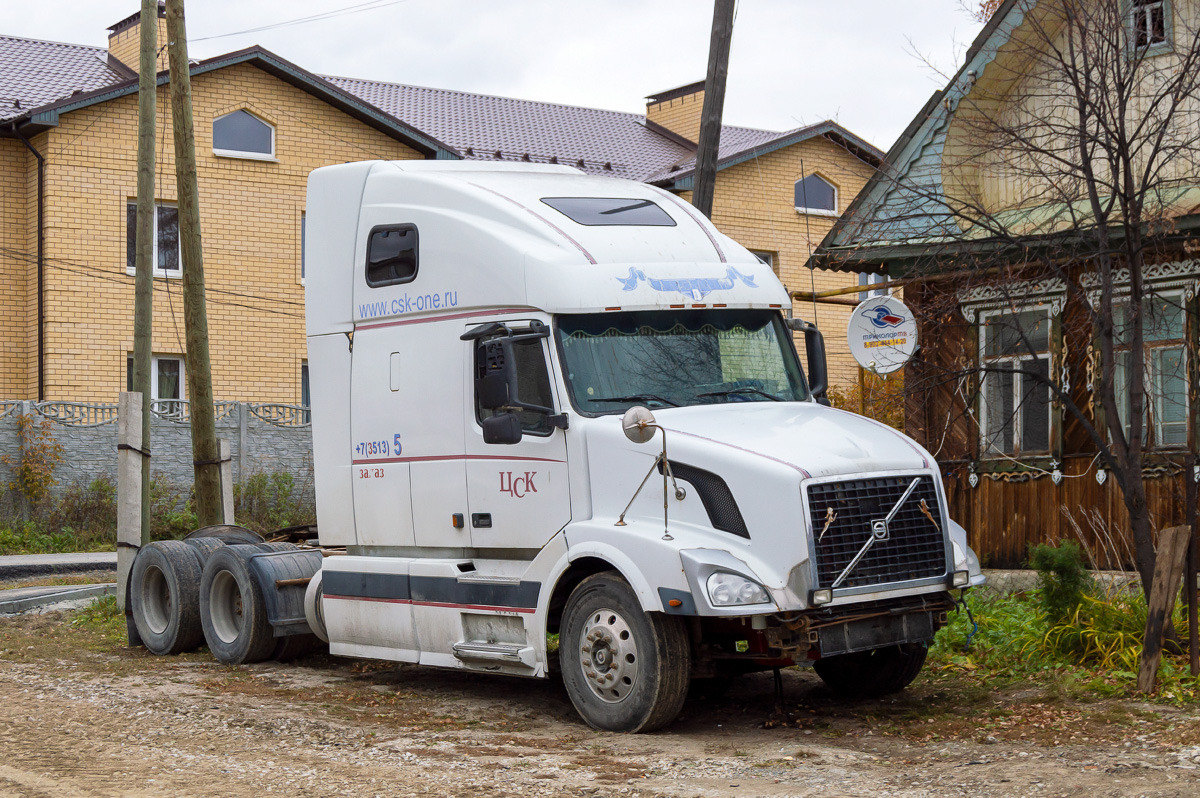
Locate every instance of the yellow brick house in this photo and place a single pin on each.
(68, 125)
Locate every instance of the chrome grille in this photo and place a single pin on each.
(914, 549)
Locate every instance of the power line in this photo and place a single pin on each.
(324, 15)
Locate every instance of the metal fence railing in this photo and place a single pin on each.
(99, 414)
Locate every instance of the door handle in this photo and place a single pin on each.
(481, 520)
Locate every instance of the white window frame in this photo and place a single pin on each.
(818, 211)
(303, 243)
(868, 279)
(1155, 402)
(172, 274)
(986, 436)
(166, 407)
(766, 257)
(250, 156)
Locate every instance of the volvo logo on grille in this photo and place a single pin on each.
(879, 529)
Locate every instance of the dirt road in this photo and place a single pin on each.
(82, 716)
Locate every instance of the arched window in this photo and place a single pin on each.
(241, 134)
(815, 194)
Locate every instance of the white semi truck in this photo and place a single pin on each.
(549, 404)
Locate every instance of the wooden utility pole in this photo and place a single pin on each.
(714, 104)
(143, 295)
(206, 456)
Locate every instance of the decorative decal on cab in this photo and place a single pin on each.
(695, 287)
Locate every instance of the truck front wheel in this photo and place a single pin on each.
(869, 674)
(625, 670)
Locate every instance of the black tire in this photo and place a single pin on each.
(870, 674)
(640, 663)
(204, 547)
(228, 534)
(281, 545)
(164, 597)
(232, 610)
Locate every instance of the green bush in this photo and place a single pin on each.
(266, 502)
(1063, 578)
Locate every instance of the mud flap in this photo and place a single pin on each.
(283, 577)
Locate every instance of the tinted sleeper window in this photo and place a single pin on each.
(610, 211)
(392, 255)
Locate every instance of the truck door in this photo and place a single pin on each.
(518, 493)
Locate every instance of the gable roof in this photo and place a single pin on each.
(612, 143)
(741, 144)
(480, 125)
(39, 81)
(898, 208)
(34, 73)
(56, 86)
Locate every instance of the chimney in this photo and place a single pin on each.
(678, 110)
(124, 39)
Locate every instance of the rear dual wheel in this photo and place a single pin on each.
(164, 599)
(624, 669)
(233, 612)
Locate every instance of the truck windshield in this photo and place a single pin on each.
(678, 358)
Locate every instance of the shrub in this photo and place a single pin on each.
(266, 502)
(86, 511)
(1063, 578)
(880, 398)
(33, 470)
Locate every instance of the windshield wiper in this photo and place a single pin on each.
(742, 390)
(636, 397)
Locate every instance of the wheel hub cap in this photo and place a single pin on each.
(609, 656)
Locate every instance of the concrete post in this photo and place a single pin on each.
(129, 488)
(226, 458)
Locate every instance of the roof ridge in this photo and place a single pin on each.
(97, 50)
(487, 96)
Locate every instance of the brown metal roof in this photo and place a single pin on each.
(35, 73)
(481, 125)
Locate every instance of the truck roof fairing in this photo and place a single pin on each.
(488, 239)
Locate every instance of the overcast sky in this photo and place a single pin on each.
(793, 62)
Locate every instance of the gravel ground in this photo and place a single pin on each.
(81, 715)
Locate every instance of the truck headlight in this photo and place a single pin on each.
(731, 590)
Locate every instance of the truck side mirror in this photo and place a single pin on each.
(504, 428)
(818, 369)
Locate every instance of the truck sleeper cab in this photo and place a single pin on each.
(549, 403)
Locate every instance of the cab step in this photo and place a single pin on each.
(508, 653)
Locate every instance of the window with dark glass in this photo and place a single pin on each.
(1164, 360)
(1015, 359)
(166, 240)
(1148, 22)
(392, 255)
(243, 134)
(166, 383)
(815, 194)
(533, 386)
(593, 211)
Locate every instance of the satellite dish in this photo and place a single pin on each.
(882, 334)
(638, 424)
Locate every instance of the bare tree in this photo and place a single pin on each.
(1070, 161)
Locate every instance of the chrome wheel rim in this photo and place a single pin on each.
(608, 656)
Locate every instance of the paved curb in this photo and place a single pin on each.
(24, 599)
(21, 565)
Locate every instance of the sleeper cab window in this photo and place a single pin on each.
(241, 134)
(611, 211)
(392, 255)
